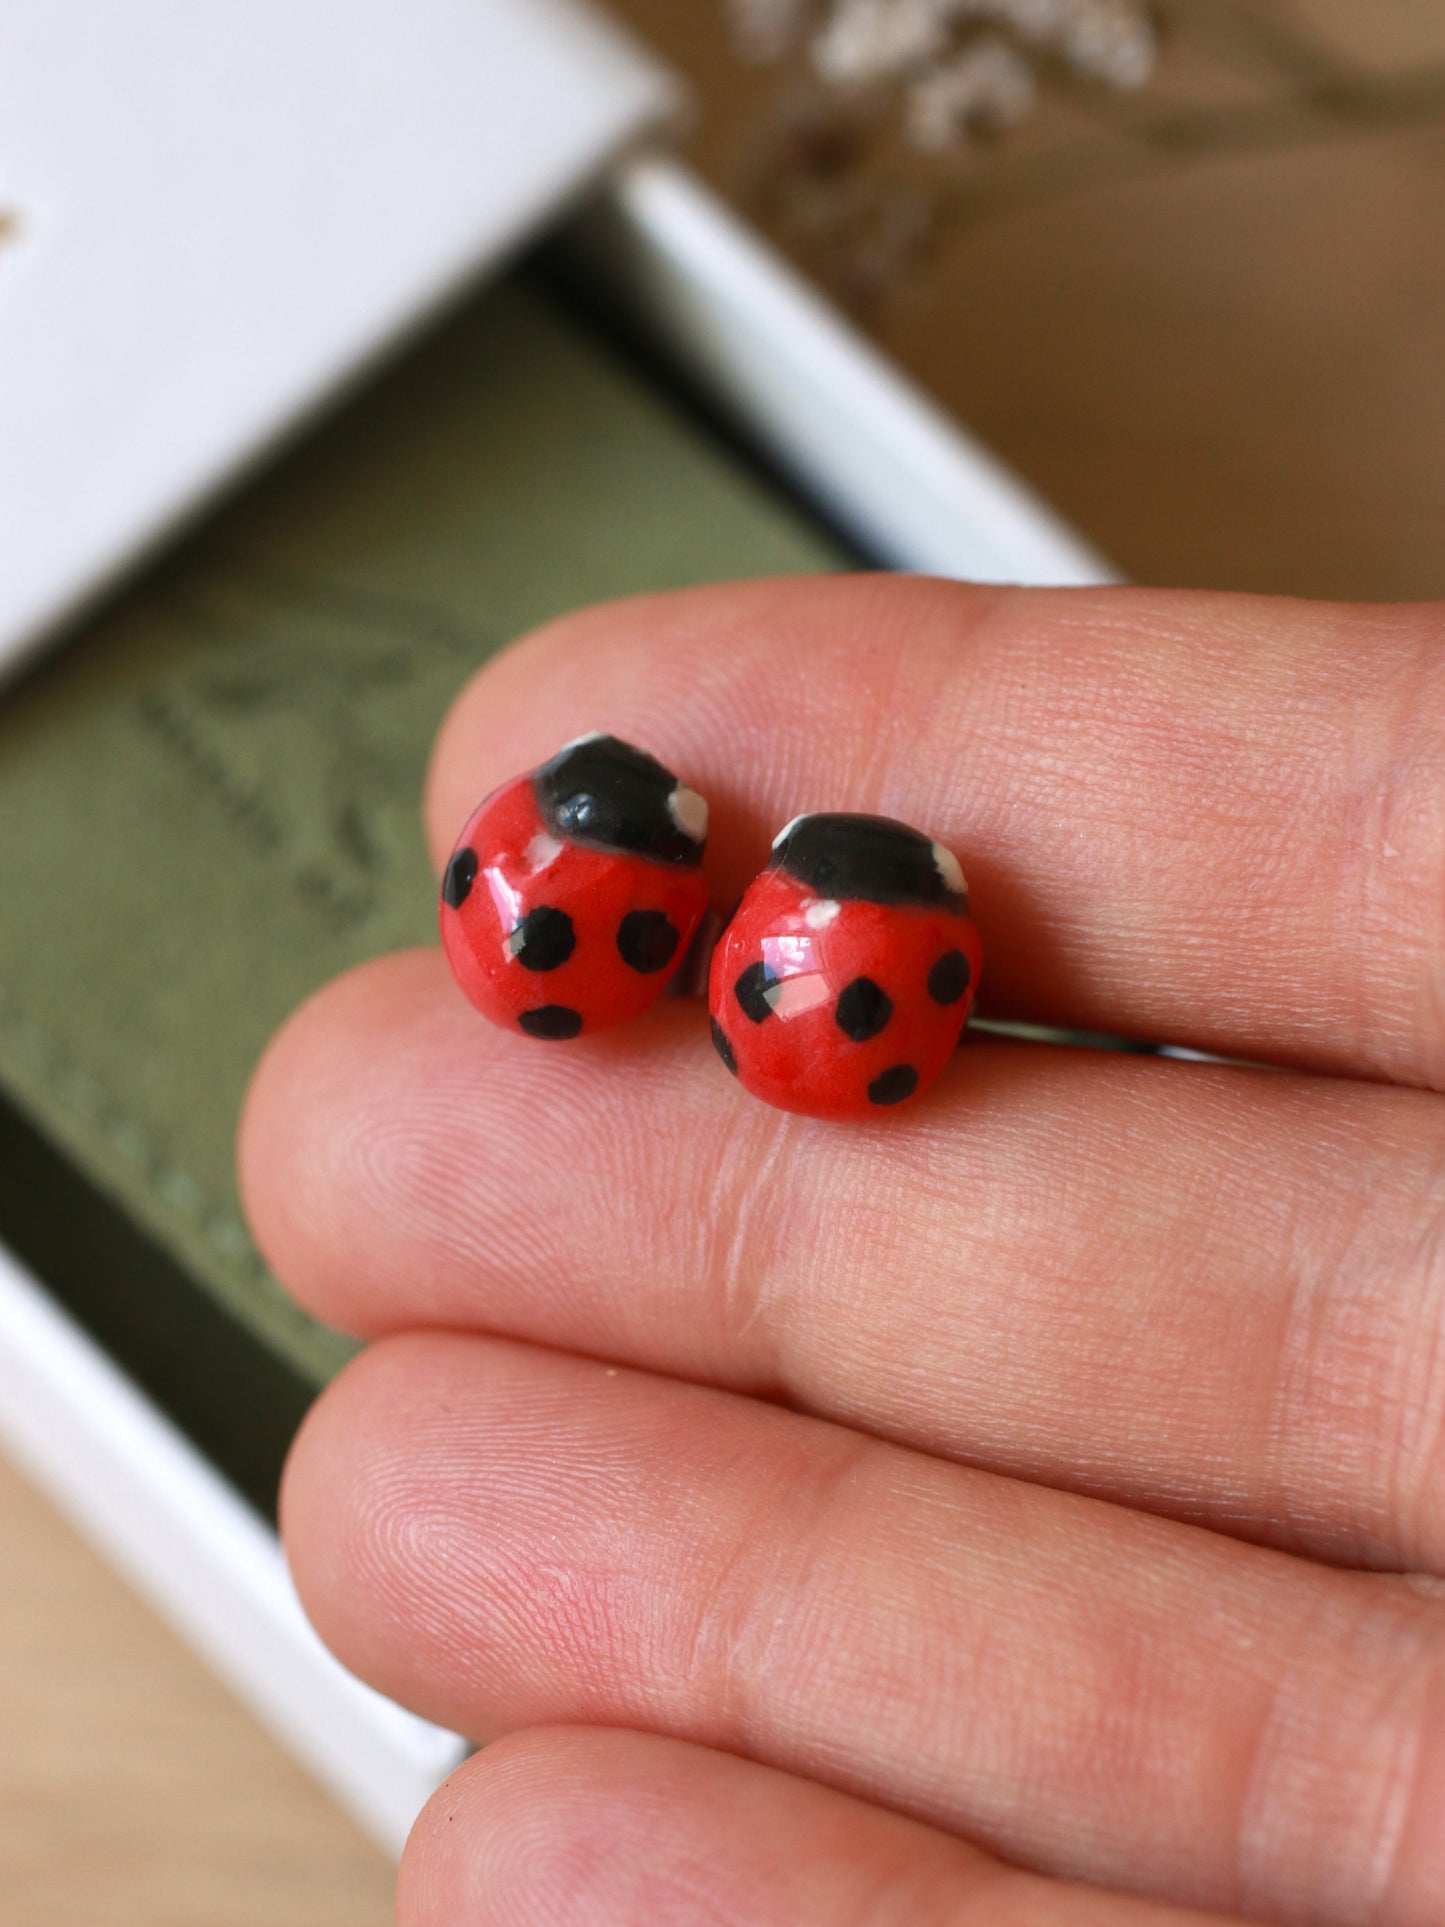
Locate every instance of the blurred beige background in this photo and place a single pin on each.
(1204, 318)
(1206, 321)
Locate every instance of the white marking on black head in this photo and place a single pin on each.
(821, 912)
(868, 857)
(950, 869)
(688, 811)
(606, 795)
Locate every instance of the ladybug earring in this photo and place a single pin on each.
(844, 979)
(575, 890)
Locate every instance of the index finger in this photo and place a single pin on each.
(1210, 820)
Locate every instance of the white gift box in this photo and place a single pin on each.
(152, 159)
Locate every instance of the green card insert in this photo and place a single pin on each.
(209, 804)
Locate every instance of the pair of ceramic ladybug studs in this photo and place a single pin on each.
(840, 984)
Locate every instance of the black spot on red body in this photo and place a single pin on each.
(893, 1085)
(863, 1010)
(544, 939)
(551, 1020)
(949, 978)
(647, 941)
(723, 1048)
(751, 992)
(461, 874)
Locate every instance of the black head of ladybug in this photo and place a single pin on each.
(870, 857)
(602, 792)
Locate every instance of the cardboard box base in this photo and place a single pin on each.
(874, 459)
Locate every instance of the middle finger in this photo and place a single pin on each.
(1208, 1291)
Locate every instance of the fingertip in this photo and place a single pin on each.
(307, 1120)
(484, 1831)
(595, 1826)
(315, 1504)
(350, 1497)
(713, 681)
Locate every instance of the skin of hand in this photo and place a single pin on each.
(1027, 1507)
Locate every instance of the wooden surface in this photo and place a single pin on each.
(134, 1792)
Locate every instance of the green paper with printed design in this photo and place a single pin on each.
(209, 800)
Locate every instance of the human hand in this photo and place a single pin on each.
(940, 1518)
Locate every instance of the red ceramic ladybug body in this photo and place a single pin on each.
(845, 977)
(574, 892)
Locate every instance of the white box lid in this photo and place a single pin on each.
(222, 212)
